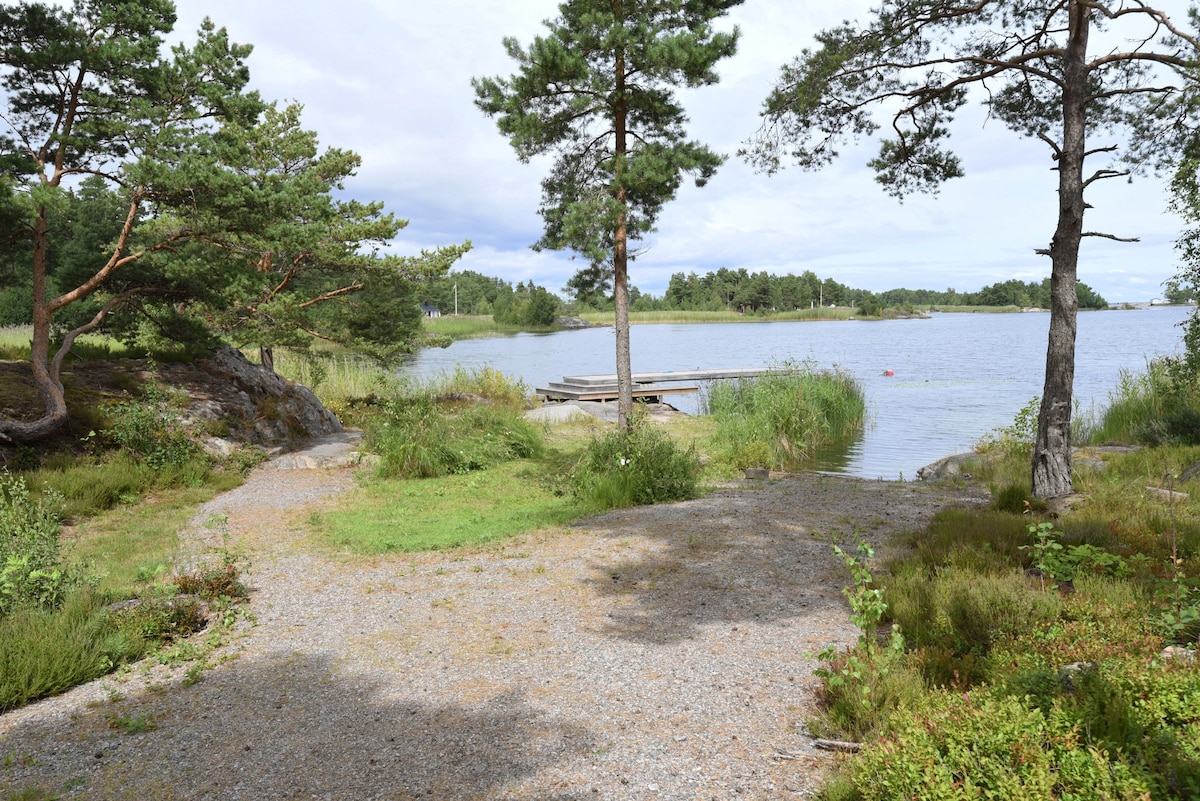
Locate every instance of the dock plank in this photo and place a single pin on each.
(671, 375)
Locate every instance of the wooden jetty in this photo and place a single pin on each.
(647, 386)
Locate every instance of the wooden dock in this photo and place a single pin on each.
(646, 386)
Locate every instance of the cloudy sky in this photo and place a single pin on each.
(391, 80)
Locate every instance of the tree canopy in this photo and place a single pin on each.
(151, 188)
(1090, 80)
(597, 93)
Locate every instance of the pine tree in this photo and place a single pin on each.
(1089, 79)
(596, 92)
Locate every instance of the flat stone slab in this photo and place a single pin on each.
(332, 450)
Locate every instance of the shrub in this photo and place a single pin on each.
(787, 416)
(966, 611)
(989, 748)
(1016, 439)
(31, 568)
(636, 467)
(151, 431)
(44, 652)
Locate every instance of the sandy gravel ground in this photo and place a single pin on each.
(655, 653)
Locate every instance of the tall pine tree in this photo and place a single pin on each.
(597, 93)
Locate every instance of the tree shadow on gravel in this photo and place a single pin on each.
(757, 553)
(291, 727)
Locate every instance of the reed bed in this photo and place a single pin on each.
(783, 419)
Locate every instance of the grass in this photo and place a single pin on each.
(469, 326)
(405, 515)
(783, 420)
(130, 546)
(45, 653)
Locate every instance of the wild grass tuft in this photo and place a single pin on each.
(465, 423)
(43, 652)
(1159, 406)
(783, 418)
(636, 467)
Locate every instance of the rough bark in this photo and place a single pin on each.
(621, 261)
(45, 378)
(1051, 468)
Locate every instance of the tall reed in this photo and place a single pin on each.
(1145, 407)
(784, 419)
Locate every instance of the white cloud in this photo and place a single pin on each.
(392, 81)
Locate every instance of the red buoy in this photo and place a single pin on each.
(888, 372)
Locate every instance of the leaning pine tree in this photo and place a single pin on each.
(596, 92)
(1089, 79)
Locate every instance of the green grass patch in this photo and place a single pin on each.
(405, 515)
(129, 546)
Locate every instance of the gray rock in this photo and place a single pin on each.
(1174, 653)
(235, 401)
(1067, 674)
(956, 466)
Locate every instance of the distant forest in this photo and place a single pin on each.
(725, 289)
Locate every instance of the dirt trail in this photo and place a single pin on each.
(655, 653)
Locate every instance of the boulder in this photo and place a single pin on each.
(235, 401)
(957, 466)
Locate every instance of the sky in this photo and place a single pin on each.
(391, 80)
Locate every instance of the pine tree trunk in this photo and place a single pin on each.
(45, 378)
(621, 259)
(1051, 468)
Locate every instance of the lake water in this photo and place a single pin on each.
(956, 377)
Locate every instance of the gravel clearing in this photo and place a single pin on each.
(655, 653)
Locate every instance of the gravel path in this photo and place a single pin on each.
(656, 653)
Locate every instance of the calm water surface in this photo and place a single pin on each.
(955, 376)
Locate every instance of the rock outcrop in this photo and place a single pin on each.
(235, 401)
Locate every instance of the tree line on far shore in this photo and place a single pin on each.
(470, 292)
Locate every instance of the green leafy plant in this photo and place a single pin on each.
(32, 571)
(150, 430)
(859, 686)
(640, 466)
(1015, 439)
(1046, 551)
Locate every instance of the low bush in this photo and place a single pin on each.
(44, 652)
(32, 571)
(966, 611)
(971, 746)
(636, 467)
(151, 431)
